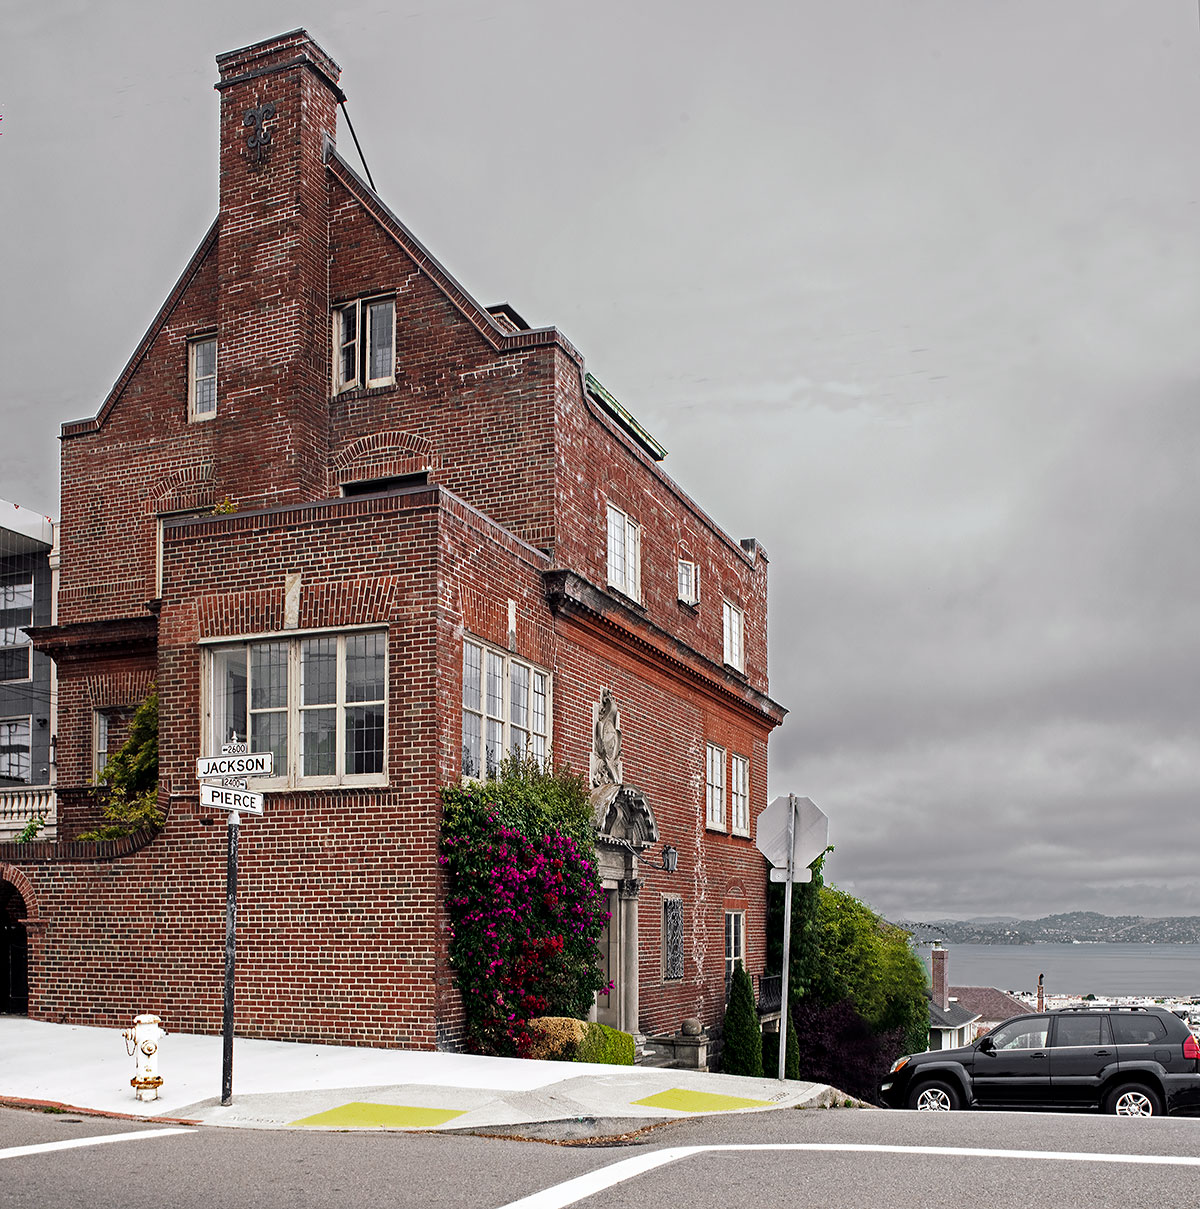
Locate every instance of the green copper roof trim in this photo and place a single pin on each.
(622, 417)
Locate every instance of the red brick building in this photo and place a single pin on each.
(336, 506)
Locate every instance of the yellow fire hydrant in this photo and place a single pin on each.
(142, 1042)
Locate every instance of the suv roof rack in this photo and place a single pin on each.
(1109, 1007)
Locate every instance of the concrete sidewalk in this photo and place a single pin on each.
(279, 1084)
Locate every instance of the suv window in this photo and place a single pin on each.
(1136, 1029)
(1029, 1033)
(1081, 1030)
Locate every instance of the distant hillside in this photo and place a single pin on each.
(1081, 926)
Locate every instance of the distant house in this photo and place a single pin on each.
(990, 1006)
(950, 1022)
(26, 676)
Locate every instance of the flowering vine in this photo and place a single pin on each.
(524, 900)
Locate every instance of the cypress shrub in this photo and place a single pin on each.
(742, 1052)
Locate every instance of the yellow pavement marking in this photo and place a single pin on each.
(683, 1100)
(382, 1116)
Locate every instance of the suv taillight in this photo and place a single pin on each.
(1191, 1047)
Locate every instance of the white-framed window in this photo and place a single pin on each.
(735, 943)
(714, 787)
(733, 626)
(506, 710)
(318, 702)
(672, 938)
(689, 582)
(624, 553)
(15, 736)
(100, 742)
(16, 612)
(739, 794)
(364, 343)
(202, 378)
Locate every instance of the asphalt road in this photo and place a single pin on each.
(791, 1158)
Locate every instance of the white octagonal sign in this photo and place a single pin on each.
(810, 840)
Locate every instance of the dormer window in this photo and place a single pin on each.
(364, 343)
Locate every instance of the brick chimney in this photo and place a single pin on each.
(938, 960)
(278, 108)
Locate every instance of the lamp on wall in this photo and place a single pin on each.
(668, 862)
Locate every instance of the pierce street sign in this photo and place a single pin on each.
(224, 798)
(250, 764)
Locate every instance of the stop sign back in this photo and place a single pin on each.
(811, 836)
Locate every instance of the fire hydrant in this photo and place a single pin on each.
(142, 1042)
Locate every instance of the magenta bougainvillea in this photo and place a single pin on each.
(525, 904)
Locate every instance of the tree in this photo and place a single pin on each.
(806, 949)
(867, 962)
(131, 777)
(741, 1052)
(857, 991)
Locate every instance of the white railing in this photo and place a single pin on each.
(19, 806)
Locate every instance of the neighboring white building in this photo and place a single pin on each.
(27, 679)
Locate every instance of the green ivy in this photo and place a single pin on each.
(31, 830)
(131, 777)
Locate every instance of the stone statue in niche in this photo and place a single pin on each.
(623, 816)
(607, 767)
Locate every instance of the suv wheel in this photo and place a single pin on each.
(934, 1096)
(1133, 1100)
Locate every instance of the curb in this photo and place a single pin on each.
(57, 1106)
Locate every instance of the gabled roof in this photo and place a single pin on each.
(955, 1016)
(989, 1003)
(596, 399)
(73, 428)
(498, 335)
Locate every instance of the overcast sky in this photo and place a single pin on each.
(910, 289)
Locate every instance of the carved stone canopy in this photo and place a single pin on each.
(624, 817)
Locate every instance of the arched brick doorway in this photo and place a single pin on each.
(14, 952)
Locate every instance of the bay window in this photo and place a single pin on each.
(317, 702)
(506, 710)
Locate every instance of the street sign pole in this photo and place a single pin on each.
(231, 767)
(791, 833)
(787, 934)
(231, 871)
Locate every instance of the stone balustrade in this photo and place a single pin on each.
(19, 805)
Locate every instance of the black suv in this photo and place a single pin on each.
(1135, 1062)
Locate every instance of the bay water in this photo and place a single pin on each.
(1165, 971)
